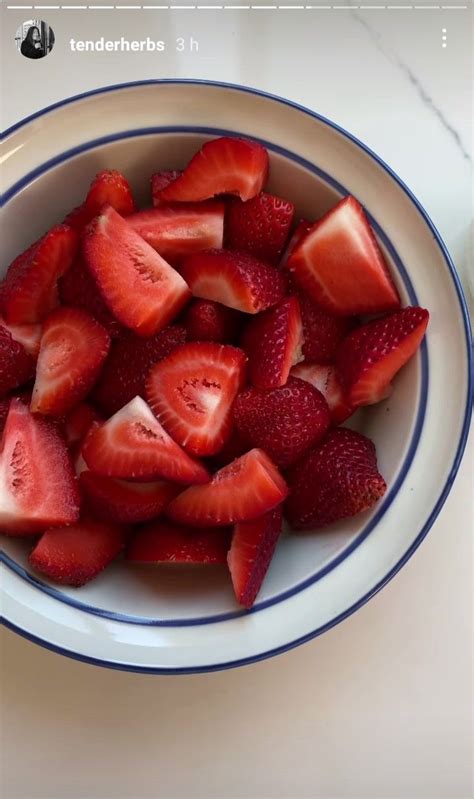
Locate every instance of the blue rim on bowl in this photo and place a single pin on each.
(417, 428)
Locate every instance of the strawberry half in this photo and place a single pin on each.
(75, 555)
(222, 166)
(206, 320)
(122, 501)
(372, 354)
(133, 445)
(273, 343)
(78, 289)
(252, 548)
(159, 181)
(192, 391)
(340, 265)
(124, 267)
(325, 379)
(29, 289)
(323, 331)
(303, 227)
(337, 479)
(237, 280)
(128, 365)
(109, 187)
(178, 230)
(285, 422)
(259, 226)
(37, 483)
(16, 366)
(245, 489)
(163, 542)
(29, 336)
(73, 348)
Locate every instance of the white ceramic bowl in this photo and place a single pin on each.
(173, 620)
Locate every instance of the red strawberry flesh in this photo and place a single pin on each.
(125, 502)
(163, 542)
(245, 489)
(252, 548)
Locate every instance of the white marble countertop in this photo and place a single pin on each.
(381, 705)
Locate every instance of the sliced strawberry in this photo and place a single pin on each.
(125, 502)
(78, 289)
(129, 363)
(259, 226)
(29, 336)
(178, 230)
(245, 489)
(159, 181)
(206, 320)
(78, 423)
(372, 354)
(340, 265)
(237, 280)
(222, 166)
(108, 188)
(252, 548)
(29, 290)
(192, 391)
(323, 331)
(337, 479)
(162, 542)
(325, 379)
(133, 445)
(76, 554)
(285, 422)
(273, 342)
(124, 267)
(37, 482)
(16, 366)
(303, 227)
(73, 349)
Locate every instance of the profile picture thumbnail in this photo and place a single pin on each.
(34, 38)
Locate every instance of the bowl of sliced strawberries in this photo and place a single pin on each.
(234, 376)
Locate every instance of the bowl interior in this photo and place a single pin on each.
(176, 594)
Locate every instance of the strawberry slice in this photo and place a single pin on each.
(222, 166)
(259, 226)
(340, 265)
(109, 187)
(325, 379)
(159, 181)
(78, 423)
(16, 366)
(125, 502)
(29, 336)
(125, 266)
(178, 230)
(133, 445)
(37, 482)
(336, 480)
(273, 342)
(78, 289)
(372, 354)
(285, 422)
(75, 555)
(162, 542)
(252, 548)
(29, 290)
(192, 391)
(237, 280)
(245, 489)
(210, 321)
(73, 348)
(129, 363)
(323, 331)
(303, 227)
